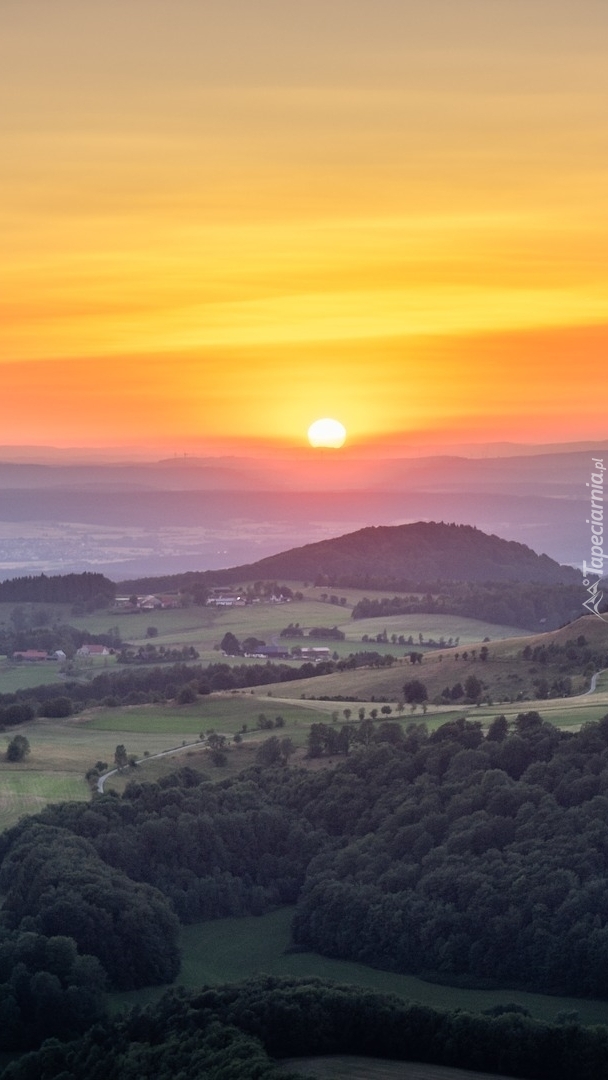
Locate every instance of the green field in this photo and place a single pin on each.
(25, 791)
(430, 626)
(21, 676)
(63, 750)
(204, 627)
(346, 1067)
(214, 711)
(229, 950)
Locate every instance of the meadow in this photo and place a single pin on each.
(346, 1067)
(63, 750)
(229, 950)
(204, 627)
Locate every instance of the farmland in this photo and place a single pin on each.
(63, 750)
(204, 627)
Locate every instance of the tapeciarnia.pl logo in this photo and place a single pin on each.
(595, 569)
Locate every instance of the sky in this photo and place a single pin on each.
(220, 221)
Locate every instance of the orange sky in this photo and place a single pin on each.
(224, 220)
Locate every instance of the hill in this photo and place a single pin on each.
(402, 556)
(555, 664)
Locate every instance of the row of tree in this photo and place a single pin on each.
(136, 684)
(508, 603)
(59, 589)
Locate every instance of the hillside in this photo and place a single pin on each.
(507, 674)
(401, 556)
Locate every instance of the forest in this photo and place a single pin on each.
(241, 1032)
(466, 857)
(86, 588)
(527, 605)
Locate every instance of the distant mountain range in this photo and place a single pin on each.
(129, 519)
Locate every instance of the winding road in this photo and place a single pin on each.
(593, 685)
(163, 753)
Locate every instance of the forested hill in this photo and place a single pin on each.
(404, 555)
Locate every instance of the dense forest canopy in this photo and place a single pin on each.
(59, 589)
(454, 854)
(242, 1032)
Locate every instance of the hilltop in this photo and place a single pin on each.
(398, 557)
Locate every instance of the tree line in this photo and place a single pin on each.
(531, 606)
(59, 589)
(243, 1031)
(138, 684)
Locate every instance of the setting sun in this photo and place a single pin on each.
(327, 432)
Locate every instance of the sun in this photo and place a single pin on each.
(327, 432)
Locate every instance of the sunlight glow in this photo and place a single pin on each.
(327, 432)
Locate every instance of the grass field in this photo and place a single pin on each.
(63, 750)
(204, 627)
(346, 1067)
(504, 677)
(28, 791)
(15, 676)
(430, 626)
(220, 713)
(229, 950)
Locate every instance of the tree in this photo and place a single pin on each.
(275, 751)
(187, 695)
(216, 741)
(56, 707)
(498, 729)
(415, 692)
(230, 645)
(473, 688)
(121, 759)
(152, 631)
(251, 644)
(18, 748)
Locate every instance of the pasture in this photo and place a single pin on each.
(22, 676)
(230, 950)
(204, 627)
(62, 750)
(27, 791)
(347, 1067)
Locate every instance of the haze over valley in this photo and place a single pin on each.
(177, 514)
